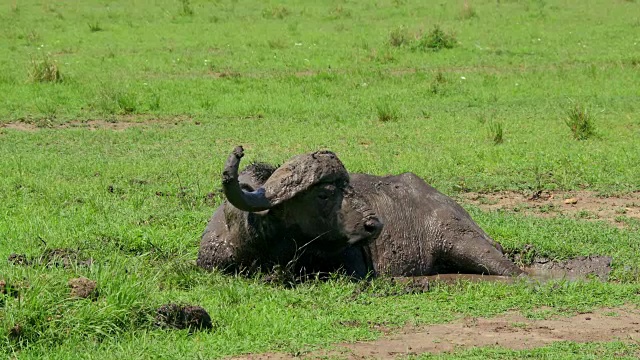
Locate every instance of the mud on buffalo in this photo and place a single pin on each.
(312, 214)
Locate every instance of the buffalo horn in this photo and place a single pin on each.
(251, 201)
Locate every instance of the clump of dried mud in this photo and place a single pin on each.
(174, 316)
(83, 288)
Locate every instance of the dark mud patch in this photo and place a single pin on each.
(543, 268)
(579, 268)
(588, 205)
(83, 288)
(16, 332)
(510, 331)
(60, 257)
(19, 259)
(174, 316)
(538, 270)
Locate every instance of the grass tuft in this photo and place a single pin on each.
(154, 103)
(386, 112)
(339, 12)
(580, 121)
(44, 70)
(276, 12)
(95, 26)
(185, 8)
(438, 82)
(467, 11)
(276, 44)
(437, 39)
(119, 102)
(399, 37)
(496, 132)
(48, 108)
(634, 61)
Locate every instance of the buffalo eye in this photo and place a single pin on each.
(326, 192)
(324, 195)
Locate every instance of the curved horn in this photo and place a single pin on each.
(253, 201)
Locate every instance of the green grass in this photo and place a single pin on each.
(197, 78)
(581, 123)
(561, 350)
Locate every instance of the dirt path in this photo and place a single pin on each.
(511, 331)
(123, 122)
(578, 204)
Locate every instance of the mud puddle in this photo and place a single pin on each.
(540, 270)
(617, 210)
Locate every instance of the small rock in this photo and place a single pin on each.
(83, 288)
(571, 201)
(183, 317)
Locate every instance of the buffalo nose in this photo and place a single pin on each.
(373, 226)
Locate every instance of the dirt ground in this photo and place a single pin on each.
(511, 331)
(587, 205)
(120, 125)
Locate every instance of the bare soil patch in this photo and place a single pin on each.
(511, 331)
(122, 123)
(101, 124)
(578, 204)
(20, 126)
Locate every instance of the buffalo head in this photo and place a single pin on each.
(310, 196)
(305, 204)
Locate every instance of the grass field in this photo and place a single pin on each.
(118, 116)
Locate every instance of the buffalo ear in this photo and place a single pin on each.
(302, 172)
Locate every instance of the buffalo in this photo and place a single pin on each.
(310, 212)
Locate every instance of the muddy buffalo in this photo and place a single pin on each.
(312, 213)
